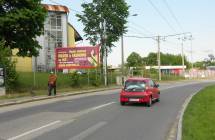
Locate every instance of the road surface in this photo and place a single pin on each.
(96, 116)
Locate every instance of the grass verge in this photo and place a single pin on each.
(199, 117)
(45, 92)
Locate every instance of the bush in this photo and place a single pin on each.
(95, 81)
(9, 65)
(75, 80)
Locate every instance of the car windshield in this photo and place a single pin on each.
(135, 86)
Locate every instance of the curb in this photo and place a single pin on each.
(181, 114)
(52, 97)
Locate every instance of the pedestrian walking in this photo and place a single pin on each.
(52, 83)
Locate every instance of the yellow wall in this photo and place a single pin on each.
(25, 63)
(22, 63)
(71, 36)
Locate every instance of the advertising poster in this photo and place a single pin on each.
(77, 57)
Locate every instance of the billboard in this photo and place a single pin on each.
(77, 57)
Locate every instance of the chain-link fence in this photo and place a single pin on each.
(196, 74)
(76, 79)
(28, 81)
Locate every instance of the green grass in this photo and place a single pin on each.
(199, 117)
(25, 82)
(45, 92)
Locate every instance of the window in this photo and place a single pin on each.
(151, 83)
(135, 85)
(53, 35)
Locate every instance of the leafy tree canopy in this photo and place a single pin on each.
(134, 60)
(20, 22)
(113, 12)
(9, 65)
(166, 59)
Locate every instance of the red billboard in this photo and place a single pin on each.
(77, 57)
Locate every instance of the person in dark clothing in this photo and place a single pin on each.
(52, 83)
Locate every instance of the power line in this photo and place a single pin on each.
(134, 36)
(142, 28)
(135, 32)
(162, 36)
(138, 31)
(173, 15)
(163, 17)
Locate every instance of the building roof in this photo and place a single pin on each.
(56, 8)
(77, 35)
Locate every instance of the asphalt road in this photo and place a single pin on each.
(96, 116)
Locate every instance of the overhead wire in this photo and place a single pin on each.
(142, 28)
(173, 15)
(138, 31)
(161, 15)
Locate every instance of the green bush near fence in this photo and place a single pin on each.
(90, 78)
(26, 81)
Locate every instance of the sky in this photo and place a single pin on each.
(159, 17)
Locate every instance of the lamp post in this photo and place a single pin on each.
(122, 54)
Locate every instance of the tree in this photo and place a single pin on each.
(113, 13)
(134, 60)
(20, 22)
(200, 64)
(9, 65)
(211, 57)
(166, 59)
(151, 59)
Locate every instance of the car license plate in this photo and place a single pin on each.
(134, 100)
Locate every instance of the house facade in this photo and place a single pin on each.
(58, 32)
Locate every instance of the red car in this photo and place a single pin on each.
(140, 90)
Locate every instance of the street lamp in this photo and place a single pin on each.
(122, 53)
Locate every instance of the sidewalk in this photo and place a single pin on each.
(21, 100)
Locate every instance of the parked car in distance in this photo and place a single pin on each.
(140, 90)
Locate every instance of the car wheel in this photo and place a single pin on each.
(150, 102)
(122, 103)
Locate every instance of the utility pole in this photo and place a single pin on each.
(157, 39)
(105, 55)
(182, 55)
(191, 45)
(159, 58)
(122, 53)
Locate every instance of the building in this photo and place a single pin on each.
(58, 32)
(169, 69)
(210, 68)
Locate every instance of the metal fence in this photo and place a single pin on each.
(199, 74)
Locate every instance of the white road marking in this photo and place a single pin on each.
(181, 85)
(89, 131)
(101, 106)
(34, 130)
(84, 112)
